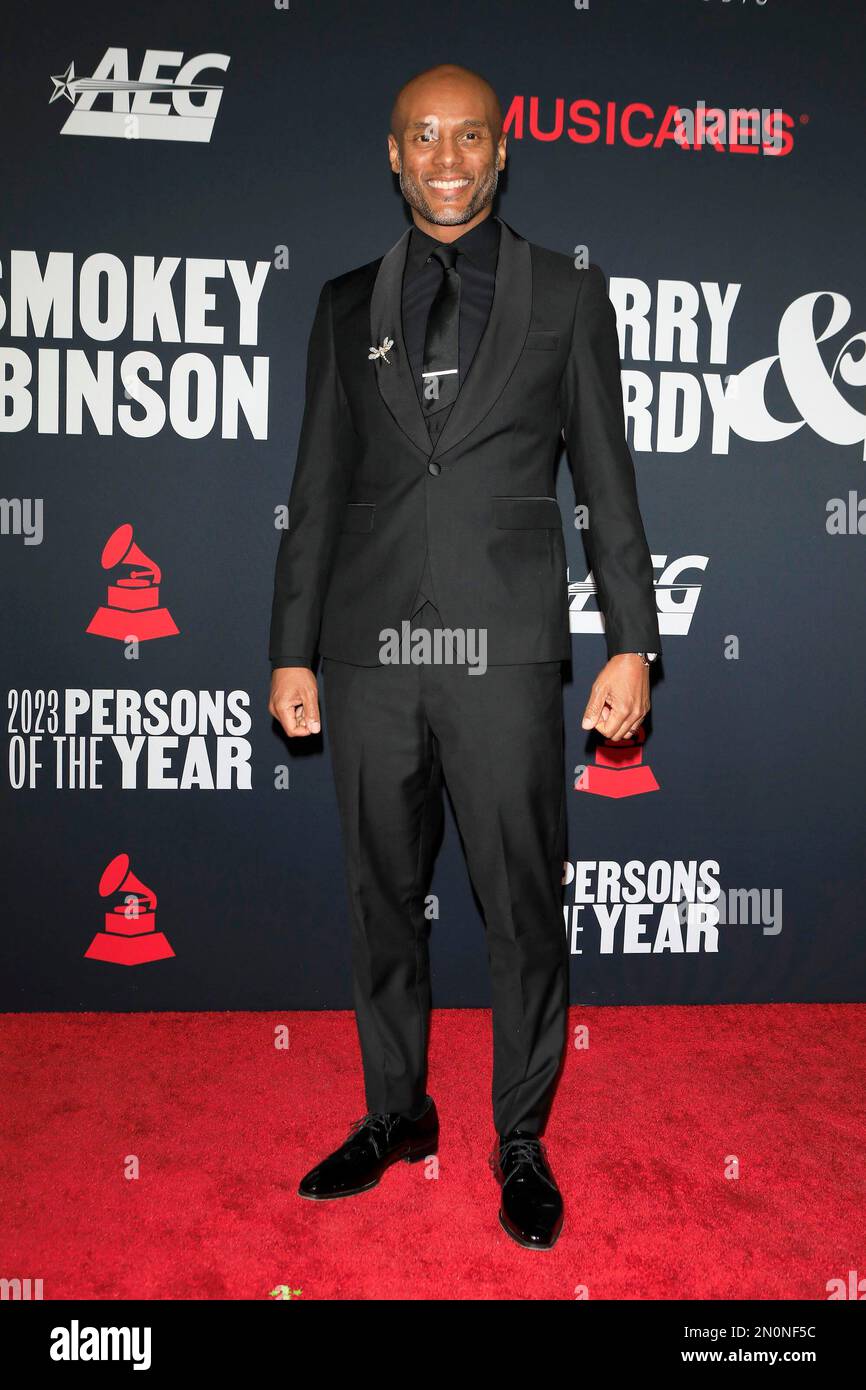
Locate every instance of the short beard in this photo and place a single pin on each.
(484, 194)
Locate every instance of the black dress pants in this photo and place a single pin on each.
(394, 732)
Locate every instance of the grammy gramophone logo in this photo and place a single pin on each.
(619, 769)
(130, 936)
(132, 610)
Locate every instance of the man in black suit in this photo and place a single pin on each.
(442, 379)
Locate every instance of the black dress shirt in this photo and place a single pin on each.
(476, 266)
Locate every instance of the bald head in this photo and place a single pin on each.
(447, 81)
(447, 146)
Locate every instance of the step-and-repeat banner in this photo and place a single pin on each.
(179, 181)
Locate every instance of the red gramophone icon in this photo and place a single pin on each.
(132, 606)
(130, 936)
(619, 769)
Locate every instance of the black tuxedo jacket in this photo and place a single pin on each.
(371, 493)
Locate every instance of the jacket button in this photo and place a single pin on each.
(435, 469)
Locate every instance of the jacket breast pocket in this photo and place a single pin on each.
(527, 513)
(359, 516)
(541, 341)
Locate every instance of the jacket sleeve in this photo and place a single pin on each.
(317, 500)
(593, 425)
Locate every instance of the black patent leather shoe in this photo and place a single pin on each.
(531, 1211)
(374, 1143)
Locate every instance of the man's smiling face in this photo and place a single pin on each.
(447, 147)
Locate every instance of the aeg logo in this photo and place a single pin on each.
(676, 600)
(139, 108)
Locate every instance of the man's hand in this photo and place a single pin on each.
(295, 700)
(619, 698)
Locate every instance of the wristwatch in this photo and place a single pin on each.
(647, 657)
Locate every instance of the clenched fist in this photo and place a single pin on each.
(295, 700)
(620, 699)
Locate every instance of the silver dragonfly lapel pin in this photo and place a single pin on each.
(381, 351)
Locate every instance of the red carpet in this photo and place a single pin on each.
(223, 1126)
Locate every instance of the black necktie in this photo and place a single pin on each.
(441, 380)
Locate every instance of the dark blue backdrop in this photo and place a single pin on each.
(755, 739)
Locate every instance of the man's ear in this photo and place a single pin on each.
(393, 154)
(501, 152)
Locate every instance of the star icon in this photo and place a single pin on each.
(63, 85)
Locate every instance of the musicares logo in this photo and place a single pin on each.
(129, 935)
(132, 611)
(138, 108)
(740, 130)
(618, 770)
